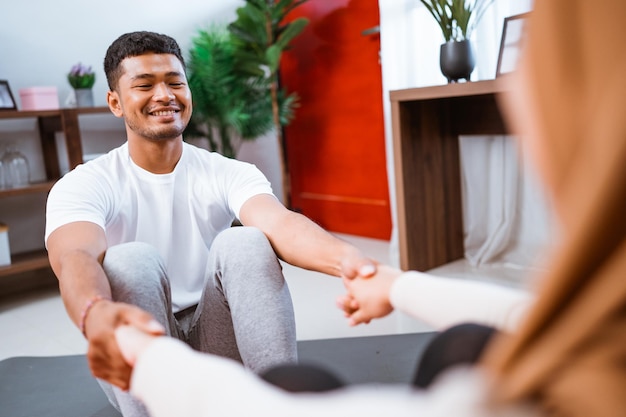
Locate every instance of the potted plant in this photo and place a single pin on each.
(228, 106)
(233, 76)
(456, 19)
(261, 34)
(82, 78)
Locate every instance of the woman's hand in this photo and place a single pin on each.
(132, 342)
(368, 297)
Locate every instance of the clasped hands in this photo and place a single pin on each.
(107, 358)
(368, 294)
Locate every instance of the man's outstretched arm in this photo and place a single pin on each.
(76, 251)
(299, 241)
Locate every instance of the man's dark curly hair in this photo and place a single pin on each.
(135, 44)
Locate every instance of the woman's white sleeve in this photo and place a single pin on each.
(443, 302)
(173, 380)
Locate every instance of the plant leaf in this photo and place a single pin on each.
(292, 30)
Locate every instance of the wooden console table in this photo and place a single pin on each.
(426, 125)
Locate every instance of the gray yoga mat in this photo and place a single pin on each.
(62, 386)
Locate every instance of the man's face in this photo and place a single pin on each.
(153, 97)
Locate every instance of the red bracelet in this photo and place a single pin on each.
(88, 306)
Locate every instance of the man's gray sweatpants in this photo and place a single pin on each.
(245, 312)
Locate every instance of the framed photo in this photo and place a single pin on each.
(7, 102)
(513, 34)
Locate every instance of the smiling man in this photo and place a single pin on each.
(143, 236)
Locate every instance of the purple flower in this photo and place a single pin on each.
(81, 76)
(80, 70)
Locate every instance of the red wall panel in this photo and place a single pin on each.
(335, 145)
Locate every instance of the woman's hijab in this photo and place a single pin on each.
(568, 102)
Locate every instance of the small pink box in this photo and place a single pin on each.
(39, 98)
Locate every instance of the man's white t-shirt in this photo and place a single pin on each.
(179, 213)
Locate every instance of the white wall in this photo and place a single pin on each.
(42, 39)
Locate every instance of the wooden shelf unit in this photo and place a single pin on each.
(24, 262)
(49, 122)
(426, 124)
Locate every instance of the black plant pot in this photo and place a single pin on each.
(456, 60)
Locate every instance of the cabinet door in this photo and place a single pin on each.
(335, 144)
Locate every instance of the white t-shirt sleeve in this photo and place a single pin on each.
(245, 182)
(79, 196)
(444, 302)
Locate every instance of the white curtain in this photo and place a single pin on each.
(505, 215)
(489, 168)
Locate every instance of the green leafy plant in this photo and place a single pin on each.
(228, 106)
(457, 18)
(81, 76)
(260, 36)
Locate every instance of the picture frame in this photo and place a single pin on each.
(513, 33)
(7, 102)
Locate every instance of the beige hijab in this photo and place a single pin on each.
(569, 102)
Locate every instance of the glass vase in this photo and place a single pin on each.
(15, 167)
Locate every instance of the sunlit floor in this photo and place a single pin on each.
(34, 323)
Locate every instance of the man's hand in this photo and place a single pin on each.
(357, 265)
(368, 297)
(104, 357)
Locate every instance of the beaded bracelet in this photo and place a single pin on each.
(85, 312)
